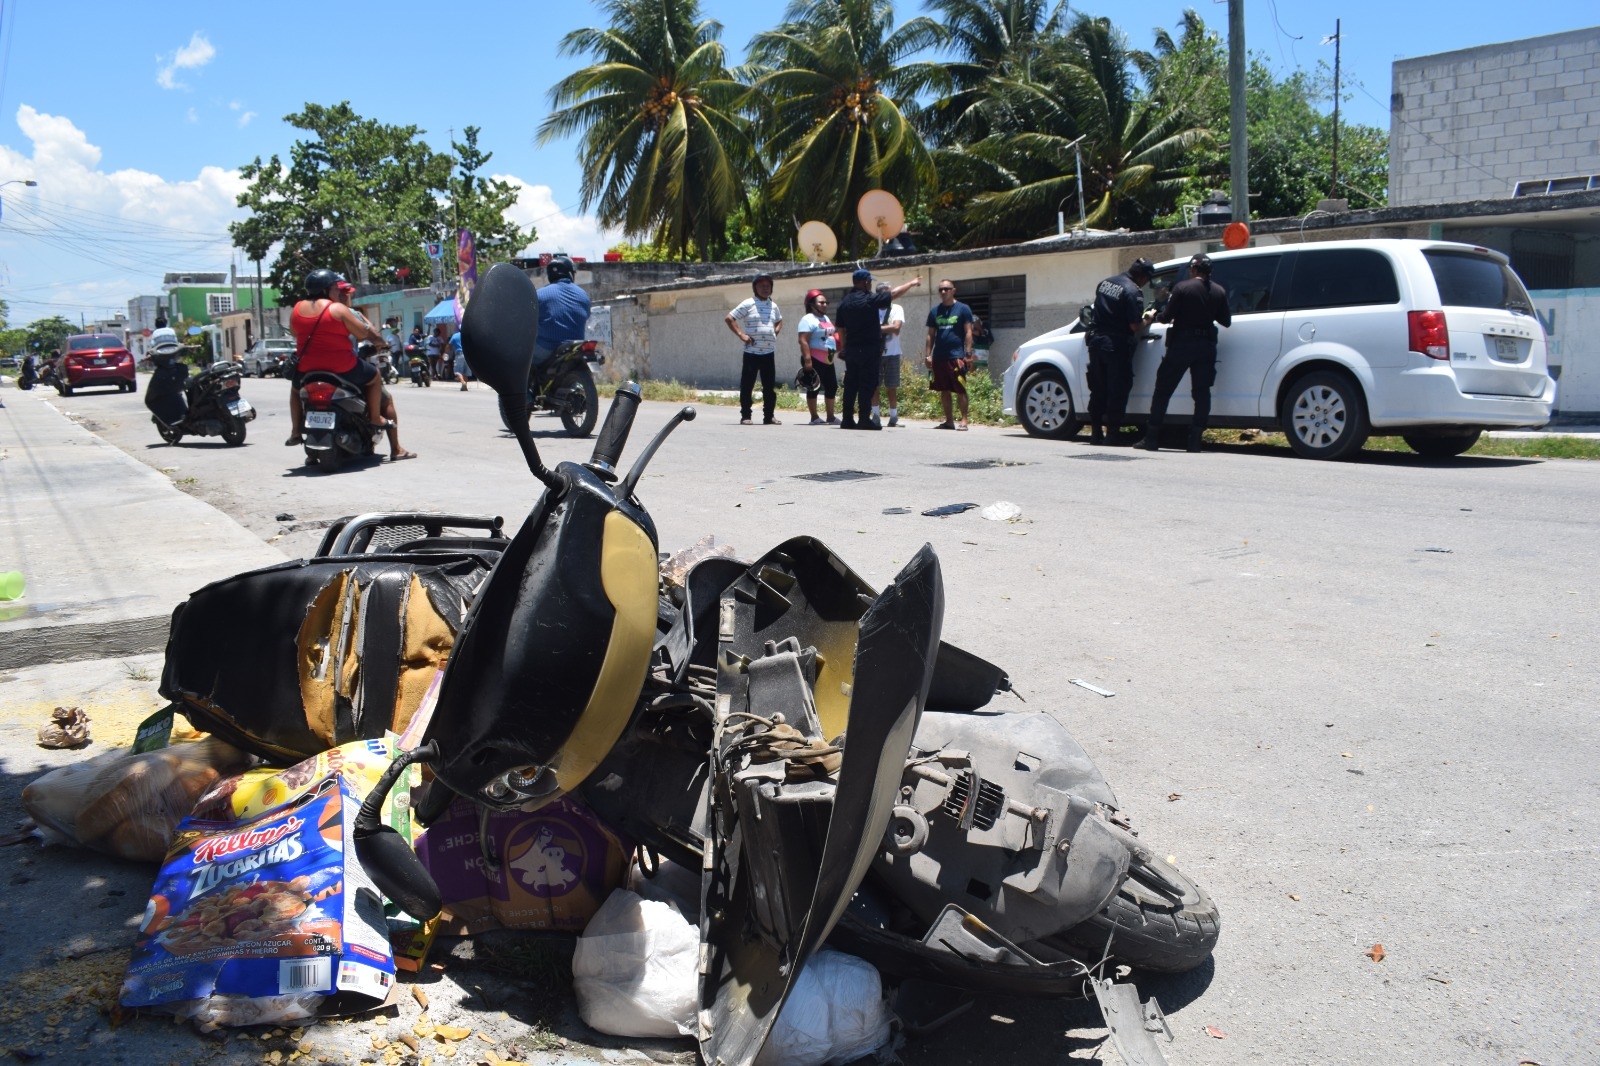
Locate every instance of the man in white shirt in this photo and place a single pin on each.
(757, 323)
(889, 377)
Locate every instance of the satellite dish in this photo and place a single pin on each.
(880, 214)
(817, 242)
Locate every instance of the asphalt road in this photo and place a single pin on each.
(1353, 700)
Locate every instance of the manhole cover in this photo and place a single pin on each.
(983, 464)
(1104, 458)
(838, 475)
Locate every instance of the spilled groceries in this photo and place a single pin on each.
(68, 728)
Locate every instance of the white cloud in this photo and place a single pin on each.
(244, 119)
(557, 231)
(91, 239)
(192, 56)
(192, 115)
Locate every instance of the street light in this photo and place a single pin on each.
(19, 181)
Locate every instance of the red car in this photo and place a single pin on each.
(96, 359)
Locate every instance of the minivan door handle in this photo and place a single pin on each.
(1308, 330)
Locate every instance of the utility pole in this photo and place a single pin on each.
(261, 320)
(1338, 40)
(1238, 142)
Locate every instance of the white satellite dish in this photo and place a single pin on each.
(817, 242)
(881, 215)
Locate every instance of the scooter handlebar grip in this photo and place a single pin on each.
(619, 421)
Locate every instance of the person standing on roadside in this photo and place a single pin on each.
(1196, 308)
(949, 350)
(1118, 318)
(893, 320)
(757, 323)
(817, 348)
(435, 350)
(457, 357)
(860, 336)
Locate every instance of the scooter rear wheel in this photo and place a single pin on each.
(233, 433)
(171, 436)
(1147, 928)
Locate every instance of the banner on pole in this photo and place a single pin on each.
(466, 269)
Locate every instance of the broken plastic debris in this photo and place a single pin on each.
(1081, 683)
(1441, 551)
(1375, 953)
(897, 510)
(949, 509)
(68, 728)
(1215, 1033)
(12, 585)
(1003, 511)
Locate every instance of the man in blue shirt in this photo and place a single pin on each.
(948, 351)
(459, 358)
(563, 309)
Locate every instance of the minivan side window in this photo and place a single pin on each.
(1342, 277)
(1248, 281)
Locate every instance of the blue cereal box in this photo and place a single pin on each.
(264, 917)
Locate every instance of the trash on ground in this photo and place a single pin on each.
(1375, 953)
(897, 510)
(129, 805)
(677, 565)
(949, 509)
(636, 971)
(1215, 1033)
(12, 585)
(1003, 511)
(1441, 551)
(284, 516)
(262, 918)
(1096, 689)
(835, 1013)
(68, 728)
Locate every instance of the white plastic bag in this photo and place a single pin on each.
(835, 1014)
(636, 969)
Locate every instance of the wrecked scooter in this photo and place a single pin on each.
(808, 742)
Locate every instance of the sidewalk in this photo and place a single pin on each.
(108, 547)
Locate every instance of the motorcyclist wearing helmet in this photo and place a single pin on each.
(323, 328)
(563, 309)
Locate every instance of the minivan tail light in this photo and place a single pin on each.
(320, 393)
(1428, 334)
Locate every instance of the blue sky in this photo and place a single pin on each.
(134, 116)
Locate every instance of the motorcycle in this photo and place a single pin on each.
(205, 405)
(421, 375)
(810, 744)
(50, 376)
(386, 367)
(565, 384)
(334, 424)
(28, 376)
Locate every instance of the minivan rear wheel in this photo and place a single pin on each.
(1324, 416)
(1441, 446)
(1044, 407)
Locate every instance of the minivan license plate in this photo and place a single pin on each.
(319, 419)
(1505, 349)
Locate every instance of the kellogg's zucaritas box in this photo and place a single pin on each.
(266, 914)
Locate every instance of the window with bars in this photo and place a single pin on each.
(219, 303)
(1002, 303)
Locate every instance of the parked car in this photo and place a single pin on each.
(265, 359)
(1332, 342)
(92, 359)
(9, 362)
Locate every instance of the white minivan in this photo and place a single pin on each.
(1332, 342)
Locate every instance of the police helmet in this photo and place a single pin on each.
(1141, 267)
(560, 267)
(320, 282)
(1200, 264)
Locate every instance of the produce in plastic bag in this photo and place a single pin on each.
(835, 1013)
(129, 805)
(636, 969)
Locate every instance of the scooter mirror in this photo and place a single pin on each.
(499, 330)
(398, 873)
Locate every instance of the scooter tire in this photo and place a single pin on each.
(1148, 930)
(330, 461)
(579, 420)
(25, 386)
(171, 436)
(233, 433)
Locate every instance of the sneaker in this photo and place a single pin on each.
(770, 422)
(1097, 437)
(1150, 443)
(894, 419)
(847, 425)
(745, 422)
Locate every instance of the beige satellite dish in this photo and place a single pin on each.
(817, 242)
(881, 215)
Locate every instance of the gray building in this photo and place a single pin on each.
(1497, 120)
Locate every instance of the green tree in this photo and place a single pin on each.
(479, 203)
(46, 334)
(992, 42)
(13, 341)
(1291, 146)
(663, 149)
(834, 95)
(356, 188)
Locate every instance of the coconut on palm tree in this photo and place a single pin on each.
(663, 148)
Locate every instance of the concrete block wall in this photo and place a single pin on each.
(1470, 124)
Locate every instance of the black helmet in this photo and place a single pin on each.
(1200, 263)
(560, 267)
(320, 282)
(757, 280)
(1142, 266)
(808, 379)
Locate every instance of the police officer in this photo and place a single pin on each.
(1118, 318)
(1197, 306)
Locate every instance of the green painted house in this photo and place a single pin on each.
(205, 297)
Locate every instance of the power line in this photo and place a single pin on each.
(1418, 130)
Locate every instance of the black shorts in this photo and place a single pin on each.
(359, 374)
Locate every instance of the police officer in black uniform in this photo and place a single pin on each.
(1197, 306)
(1118, 318)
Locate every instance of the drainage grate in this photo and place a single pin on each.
(982, 464)
(838, 475)
(1104, 458)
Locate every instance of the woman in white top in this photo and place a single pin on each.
(817, 347)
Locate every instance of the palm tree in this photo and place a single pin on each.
(1134, 139)
(663, 147)
(834, 95)
(992, 41)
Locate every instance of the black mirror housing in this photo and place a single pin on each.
(499, 330)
